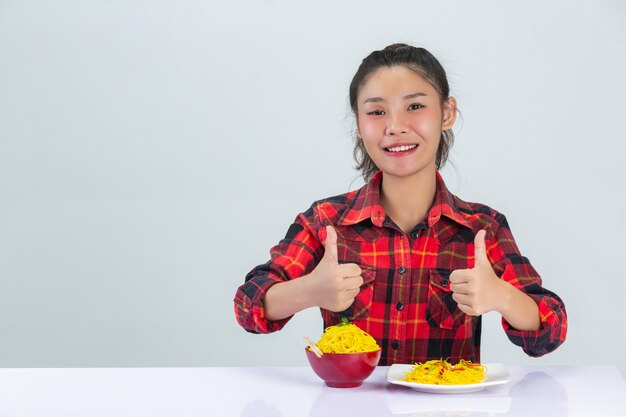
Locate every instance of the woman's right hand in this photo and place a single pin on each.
(330, 286)
(334, 286)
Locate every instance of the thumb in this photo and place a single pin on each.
(331, 245)
(480, 249)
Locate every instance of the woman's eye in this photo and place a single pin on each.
(376, 113)
(415, 106)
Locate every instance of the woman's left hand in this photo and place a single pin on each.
(477, 290)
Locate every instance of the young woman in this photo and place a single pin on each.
(406, 260)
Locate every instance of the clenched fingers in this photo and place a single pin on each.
(461, 298)
(466, 304)
(462, 288)
(459, 276)
(350, 270)
(353, 283)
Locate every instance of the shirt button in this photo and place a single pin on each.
(444, 282)
(402, 269)
(415, 235)
(395, 344)
(399, 306)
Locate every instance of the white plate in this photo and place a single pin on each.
(496, 374)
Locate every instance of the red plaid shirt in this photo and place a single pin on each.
(405, 302)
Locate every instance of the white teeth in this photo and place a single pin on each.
(401, 148)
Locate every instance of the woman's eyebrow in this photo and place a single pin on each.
(407, 97)
(414, 95)
(373, 100)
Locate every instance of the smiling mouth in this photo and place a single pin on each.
(402, 148)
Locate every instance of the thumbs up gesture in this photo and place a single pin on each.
(477, 290)
(334, 286)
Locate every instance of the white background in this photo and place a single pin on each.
(151, 153)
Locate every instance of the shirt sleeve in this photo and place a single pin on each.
(516, 269)
(294, 256)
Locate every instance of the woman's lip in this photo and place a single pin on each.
(401, 153)
(395, 145)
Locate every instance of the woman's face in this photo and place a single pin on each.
(400, 119)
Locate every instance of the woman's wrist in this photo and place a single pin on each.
(518, 308)
(286, 298)
(504, 297)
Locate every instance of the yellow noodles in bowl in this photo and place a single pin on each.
(441, 372)
(346, 337)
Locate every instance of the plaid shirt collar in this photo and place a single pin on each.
(367, 205)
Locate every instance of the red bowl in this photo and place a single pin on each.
(344, 370)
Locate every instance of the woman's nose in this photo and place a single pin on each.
(396, 124)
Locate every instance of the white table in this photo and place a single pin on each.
(590, 391)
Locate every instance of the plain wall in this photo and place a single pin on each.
(151, 153)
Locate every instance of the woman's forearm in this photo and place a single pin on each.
(519, 309)
(286, 298)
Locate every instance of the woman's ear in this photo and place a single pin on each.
(358, 131)
(449, 113)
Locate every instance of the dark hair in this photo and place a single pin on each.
(416, 59)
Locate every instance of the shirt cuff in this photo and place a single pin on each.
(551, 332)
(249, 309)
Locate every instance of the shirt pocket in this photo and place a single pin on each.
(352, 243)
(362, 305)
(442, 311)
